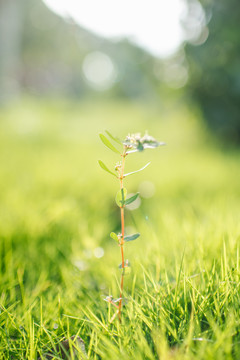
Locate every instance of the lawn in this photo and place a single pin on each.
(58, 262)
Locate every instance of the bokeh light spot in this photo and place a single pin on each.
(98, 252)
(134, 205)
(99, 70)
(146, 189)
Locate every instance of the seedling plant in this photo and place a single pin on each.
(132, 144)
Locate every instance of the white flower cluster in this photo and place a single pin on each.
(136, 142)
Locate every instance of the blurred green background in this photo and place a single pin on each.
(45, 55)
(57, 205)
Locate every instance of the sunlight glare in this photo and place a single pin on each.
(153, 24)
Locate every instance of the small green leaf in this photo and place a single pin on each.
(108, 144)
(121, 197)
(140, 146)
(131, 237)
(126, 264)
(131, 199)
(104, 167)
(114, 236)
(113, 138)
(133, 172)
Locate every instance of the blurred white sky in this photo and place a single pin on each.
(153, 24)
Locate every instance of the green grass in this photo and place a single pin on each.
(57, 210)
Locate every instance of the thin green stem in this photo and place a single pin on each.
(122, 234)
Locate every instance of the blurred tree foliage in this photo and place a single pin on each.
(47, 54)
(214, 69)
